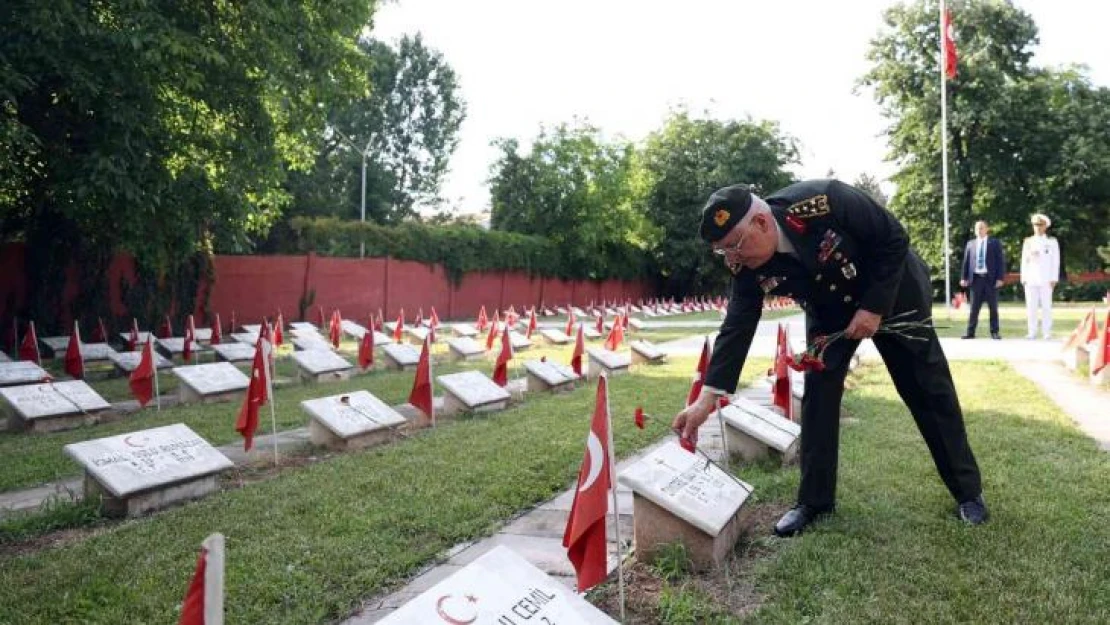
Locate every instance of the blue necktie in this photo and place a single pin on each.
(981, 265)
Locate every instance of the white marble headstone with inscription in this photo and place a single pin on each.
(519, 341)
(129, 361)
(37, 401)
(302, 326)
(213, 378)
(235, 352)
(20, 372)
(57, 344)
(555, 336)
(687, 486)
(761, 424)
(473, 388)
(464, 329)
(361, 413)
(551, 373)
(498, 588)
(250, 338)
(352, 329)
(403, 355)
(647, 350)
(252, 328)
(311, 343)
(609, 359)
(132, 463)
(126, 336)
(466, 347)
(317, 361)
(418, 334)
(96, 352)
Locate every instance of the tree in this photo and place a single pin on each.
(162, 129)
(408, 125)
(682, 164)
(870, 184)
(1010, 126)
(575, 188)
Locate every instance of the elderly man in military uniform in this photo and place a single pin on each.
(847, 262)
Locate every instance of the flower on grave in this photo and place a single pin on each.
(813, 358)
(639, 417)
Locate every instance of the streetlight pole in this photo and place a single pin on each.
(362, 209)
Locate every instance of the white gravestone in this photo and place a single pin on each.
(252, 328)
(219, 381)
(754, 432)
(498, 588)
(21, 372)
(471, 391)
(561, 310)
(578, 312)
(126, 362)
(400, 357)
(302, 326)
(203, 335)
(126, 336)
(464, 329)
(57, 344)
(417, 335)
(148, 470)
(234, 352)
(635, 324)
(311, 343)
(607, 361)
(250, 338)
(549, 376)
(519, 341)
(381, 339)
(678, 496)
(352, 329)
(317, 365)
(52, 407)
(590, 333)
(352, 421)
(4, 357)
(645, 352)
(465, 348)
(174, 346)
(555, 337)
(97, 352)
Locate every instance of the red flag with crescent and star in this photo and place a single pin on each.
(142, 377)
(433, 320)
(600, 327)
(334, 328)
(1101, 357)
(133, 338)
(217, 332)
(584, 537)
(533, 323)
(483, 320)
(74, 363)
(99, 335)
(699, 377)
(421, 395)
(366, 347)
(190, 337)
(399, 329)
(493, 330)
(570, 321)
(616, 335)
(204, 598)
(257, 395)
(166, 331)
(780, 392)
(29, 348)
(949, 46)
(579, 350)
(1085, 332)
(501, 369)
(279, 335)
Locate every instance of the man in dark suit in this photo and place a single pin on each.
(847, 262)
(983, 269)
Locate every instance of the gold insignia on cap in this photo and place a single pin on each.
(721, 217)
(815, 206)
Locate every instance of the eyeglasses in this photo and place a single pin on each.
(731, 249)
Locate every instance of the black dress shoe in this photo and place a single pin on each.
(797, 518)
(996, 336)
(968, 336)
(973, 511)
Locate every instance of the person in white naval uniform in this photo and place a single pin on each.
(1040, 269)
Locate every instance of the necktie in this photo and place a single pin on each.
(981, 264)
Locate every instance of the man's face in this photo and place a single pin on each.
(1040, 227)
(981, 229)
(749, 245)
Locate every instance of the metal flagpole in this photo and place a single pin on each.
(38, 355)
(154, 363)
(613, 488)
(266, 350)
(944, 162)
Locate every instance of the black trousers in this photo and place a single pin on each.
(921, 376)
(982, 288)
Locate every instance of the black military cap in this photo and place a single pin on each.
(725, 208)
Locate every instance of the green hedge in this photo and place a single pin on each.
(459, 248)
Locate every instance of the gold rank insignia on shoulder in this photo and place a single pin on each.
(815, 206)
(721, 217)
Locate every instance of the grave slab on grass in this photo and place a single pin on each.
(549, 376)
(52, 407)
(607, 361)
(302, 326)
(471, 391)
(311, 343)
(4, 357)
(465, 348)
(646, 352)
(234, 352)
(148, 470)
(126, 362)
(590, 333)
(555, 337)
(464, 329)
(203, 335)
(754, 432)
(519, 341)
(252, 328)
(352, 329)
(21, 372)
(56, 344)
(417, 335)
(351, 421)
(317, 365)
(399, 356)
(175, 346)
(213, 382)
(250, 338)
(498, 588)
(126, 336)
(677, 497)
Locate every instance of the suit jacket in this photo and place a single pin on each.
(1040, 260)
(995, 261)
(852, 254)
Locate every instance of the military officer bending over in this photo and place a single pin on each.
(847, 262)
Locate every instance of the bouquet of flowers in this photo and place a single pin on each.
(813, 358)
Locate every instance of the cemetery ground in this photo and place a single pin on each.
(1011, 319)
(306, 543)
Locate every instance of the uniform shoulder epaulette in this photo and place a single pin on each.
(815, 206)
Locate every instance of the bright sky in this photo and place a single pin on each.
(622, 64)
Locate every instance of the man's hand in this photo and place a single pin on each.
(863, 325)
(687, 422)
(963, 283)
(1052, 285)
(998, 284)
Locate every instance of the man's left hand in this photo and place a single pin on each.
(998, 284)
(864, 325)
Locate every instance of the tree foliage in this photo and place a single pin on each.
(1021, 139)
(163, 129)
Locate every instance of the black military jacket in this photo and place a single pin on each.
(852, 254)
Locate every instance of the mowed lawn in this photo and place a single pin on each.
(307, 545)
(1012, 319)
(894, 553)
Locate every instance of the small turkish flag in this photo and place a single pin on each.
(600, 324)
(780, 393)
(279, 336)
(532, 323)
(1101, 357)
(493, 330)
(29, 348)
(584, 537)
(501, 370)
(74, 363)
(616, 335)
(570, 321)
(166, 331)
(217, 332)
(257, 394)
(190, 337)
(399, 329)
(133, 338)
(579, 350)
(483, 320)
(433, 321)
(100, 334)
(204, 600)
(333, 329)
(366, 350)
(421, 395)
(142, 377)
(699, 378)
(949, 46)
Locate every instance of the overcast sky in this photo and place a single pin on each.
(622, 64)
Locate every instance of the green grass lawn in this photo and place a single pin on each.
(1012, 319)
(308, 544)
(894, 553)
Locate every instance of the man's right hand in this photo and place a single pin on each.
(963, 283)
(687, 422)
